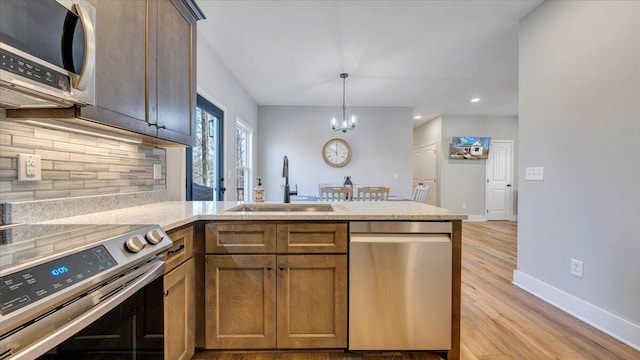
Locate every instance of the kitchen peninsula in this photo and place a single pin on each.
(292, 254)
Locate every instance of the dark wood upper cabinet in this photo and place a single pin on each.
(146, 67)
(121, 66)
(175, 72)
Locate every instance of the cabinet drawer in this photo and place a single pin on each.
(312, 238)
(225, 238)
(181, 250)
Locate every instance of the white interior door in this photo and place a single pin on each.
(499, 170)
(416, 160)
(425, 170)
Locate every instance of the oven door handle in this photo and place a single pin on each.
(152, 271)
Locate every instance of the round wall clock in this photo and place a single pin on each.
(336, 152)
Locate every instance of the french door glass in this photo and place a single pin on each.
(204, 160)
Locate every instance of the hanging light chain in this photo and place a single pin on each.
(346, 124)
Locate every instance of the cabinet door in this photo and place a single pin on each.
(173, 73)
(312, 301)
(121, 66)
(312, 238)
(252, 238)
(240, 302)
(179, 312)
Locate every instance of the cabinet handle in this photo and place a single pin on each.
(166, 293)
(269, 268)
(171, 252)
(281, 267)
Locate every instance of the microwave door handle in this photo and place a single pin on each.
(89, 62)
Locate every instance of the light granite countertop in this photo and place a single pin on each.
(173, 214)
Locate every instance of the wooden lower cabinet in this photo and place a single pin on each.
(275, 301)
(312, 301)
(240, 297)
(179, 312)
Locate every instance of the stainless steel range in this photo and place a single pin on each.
(81, 289)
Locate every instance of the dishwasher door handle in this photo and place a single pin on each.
(400, 238)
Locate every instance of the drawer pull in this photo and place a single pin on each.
(179, 249)
(281, 267)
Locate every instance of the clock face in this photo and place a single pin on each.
(336, 152)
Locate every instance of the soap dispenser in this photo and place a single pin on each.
(258, 192)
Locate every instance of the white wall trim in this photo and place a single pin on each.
(601, 319)
(477, 218)
(211, 99)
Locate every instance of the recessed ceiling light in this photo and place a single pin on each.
(475, 100)
(417, 117)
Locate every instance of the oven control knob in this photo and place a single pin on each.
(135, 243)
(154, 236)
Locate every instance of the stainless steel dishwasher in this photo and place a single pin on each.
(400, 286)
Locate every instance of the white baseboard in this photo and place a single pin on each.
(602, 320)
(477, 218)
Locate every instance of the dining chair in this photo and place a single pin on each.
(320, 186)
(335, 193)
(420, 193)
(373, 193)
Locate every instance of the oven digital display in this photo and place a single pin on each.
(59, 270)
(30, 285)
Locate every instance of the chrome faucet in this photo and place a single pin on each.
(285, 175)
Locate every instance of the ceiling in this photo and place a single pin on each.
(433, 56)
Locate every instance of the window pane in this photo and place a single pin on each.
(243, 170)
(204, 151)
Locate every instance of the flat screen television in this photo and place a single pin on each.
(469, 147)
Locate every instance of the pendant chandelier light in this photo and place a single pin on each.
(346, 124)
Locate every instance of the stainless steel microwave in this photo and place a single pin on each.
(47, 53)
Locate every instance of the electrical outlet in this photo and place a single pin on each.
(576, 268)
(157, 171)
(464, 205)
(29, 167)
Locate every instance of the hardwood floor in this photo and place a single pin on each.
(499, 320)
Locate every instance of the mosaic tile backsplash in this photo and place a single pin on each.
(75, 164)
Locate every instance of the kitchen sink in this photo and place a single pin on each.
(281, 207)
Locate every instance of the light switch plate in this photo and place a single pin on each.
(534, 173)
(29, 167)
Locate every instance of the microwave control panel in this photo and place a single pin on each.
(36, 72)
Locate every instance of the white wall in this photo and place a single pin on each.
(218, 85)
(381, 146)
(579, 90)
(463, 181)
